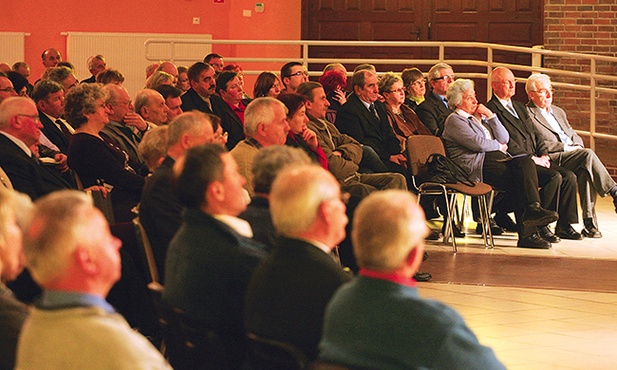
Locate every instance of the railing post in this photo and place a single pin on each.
(592, 105)
(489, 69)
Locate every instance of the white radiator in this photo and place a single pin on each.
(12, 47)
(126, 53)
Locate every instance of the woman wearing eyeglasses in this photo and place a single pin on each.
(415, 85)
(403, 119)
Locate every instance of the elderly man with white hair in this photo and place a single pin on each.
(265, 124)
(151, 106)
(288, 292)
(73, 256)
(566, 149)
(379, 321)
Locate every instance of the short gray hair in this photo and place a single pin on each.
(55, 231)
(456, 91)
(432, 73)
(10, 107)
(153, 146)
(530, 86)
(383, 243)
(193, 123)
(142, 99)
(260, 110)
(296, 195)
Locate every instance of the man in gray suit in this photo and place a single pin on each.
(567, 149)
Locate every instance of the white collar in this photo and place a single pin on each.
(239, 225)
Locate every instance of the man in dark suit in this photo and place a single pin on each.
(567, 149)
(203, 89)
(288, 293)
(558, 184)
(365, 119)
(434, 110)
(160, 211)
(20, 129)
(49, 98)
(229, 87)
(212, 257)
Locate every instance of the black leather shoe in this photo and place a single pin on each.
(533, 241)
(567, 232)
(495, 229)
(422, 276)
(433, 235)
(457, 232)
(548, 235)
(505, 222)
(590, 230)
(535, 215)
(615, 203)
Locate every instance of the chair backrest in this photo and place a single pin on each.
(188, 344)
(419, 148)
(145, 251)
(265, 354)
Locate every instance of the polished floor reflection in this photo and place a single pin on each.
(540, 328)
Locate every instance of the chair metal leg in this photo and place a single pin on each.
(451, 203)
(485, 215)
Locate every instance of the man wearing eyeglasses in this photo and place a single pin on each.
(567, 149)
(20, 130)
(6, 87)
(434, 110)
(292, 75)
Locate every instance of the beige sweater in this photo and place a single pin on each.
(83, 338)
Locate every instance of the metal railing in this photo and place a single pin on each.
(301, 51)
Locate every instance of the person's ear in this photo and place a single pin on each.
(85, 262)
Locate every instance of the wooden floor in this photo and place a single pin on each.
(537, 309)
(568, 273)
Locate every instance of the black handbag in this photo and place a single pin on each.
(443, 170)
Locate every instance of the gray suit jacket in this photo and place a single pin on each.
(546, 133)
(466, 143)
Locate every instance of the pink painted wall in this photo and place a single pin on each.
(45, 21)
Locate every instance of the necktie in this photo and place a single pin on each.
(445, 101)
(64, 129)
(511, 109)
(371, 109)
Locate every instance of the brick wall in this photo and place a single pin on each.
(585, 26)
